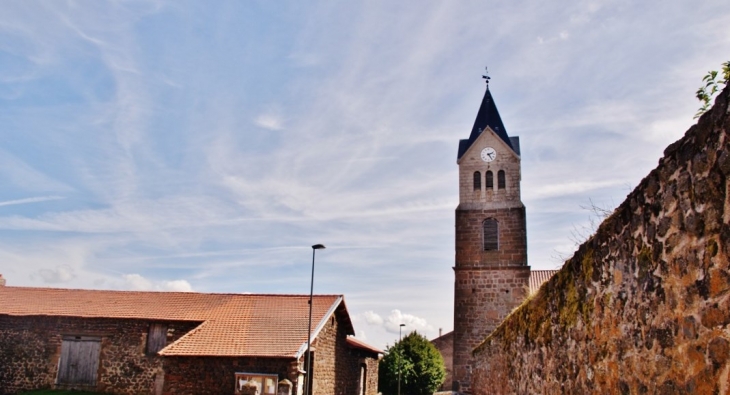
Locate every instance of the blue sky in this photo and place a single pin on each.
(206, 146)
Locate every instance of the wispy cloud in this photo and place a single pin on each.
(189, 147)
(571, 187)
(30, 200)
(269, 121)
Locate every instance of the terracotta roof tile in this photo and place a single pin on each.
(231, 324)
(356, 343)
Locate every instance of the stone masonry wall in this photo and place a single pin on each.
(506, 160)
(445, 345)
(30, 348)
(643, 307)
(216, 375)
(336, 365)
(512, 238)
(483, 298)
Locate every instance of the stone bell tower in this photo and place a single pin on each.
(491, 272)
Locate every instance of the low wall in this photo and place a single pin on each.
(643, 306)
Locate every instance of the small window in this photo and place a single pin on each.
(500, 180)
(266, 384)
(491, 234)
(156, 338)
(490, 179)
(477, 181)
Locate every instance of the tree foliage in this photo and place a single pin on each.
(711, 86)
(421, 367)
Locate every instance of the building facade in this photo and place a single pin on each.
(491, 272)
(179, 343)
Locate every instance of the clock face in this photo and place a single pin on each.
(488, 154)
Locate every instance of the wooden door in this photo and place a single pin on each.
(79, 360)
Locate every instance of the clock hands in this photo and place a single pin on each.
(488, 154)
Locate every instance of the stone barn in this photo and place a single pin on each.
(179, 343)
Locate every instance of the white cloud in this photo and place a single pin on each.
(269, 121)
(60, 274)
(177, 286)
(396, 318)
(372, 318)
(136, 282)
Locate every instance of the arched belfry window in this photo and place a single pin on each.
(477, 181)
(491, 234)
(501, 183)
(490, 179)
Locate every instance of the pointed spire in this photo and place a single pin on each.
(487, 116)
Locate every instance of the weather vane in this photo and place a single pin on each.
(486, 75)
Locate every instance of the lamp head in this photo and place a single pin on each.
(402, 324)
(318, 247)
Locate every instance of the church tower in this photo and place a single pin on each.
(491, 272)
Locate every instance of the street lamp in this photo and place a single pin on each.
(400, 350)
(308, 365)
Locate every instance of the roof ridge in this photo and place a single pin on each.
(171, 292)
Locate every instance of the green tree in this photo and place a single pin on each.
(421, 367)
(711, 86)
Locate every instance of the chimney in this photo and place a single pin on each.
(2, 281)
(440, 329)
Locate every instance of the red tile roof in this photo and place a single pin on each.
(538, 278)
(231, 324)
(356, 343)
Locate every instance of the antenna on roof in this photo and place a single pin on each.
(486, 76)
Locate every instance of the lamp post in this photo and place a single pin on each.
(308, 365)
(400, 349)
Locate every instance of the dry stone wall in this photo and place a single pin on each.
(643, 306)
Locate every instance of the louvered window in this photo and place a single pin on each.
(491, 234)
(477, 180)
(500, 180)
(490, 179)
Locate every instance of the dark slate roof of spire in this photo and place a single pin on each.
(487, 116)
